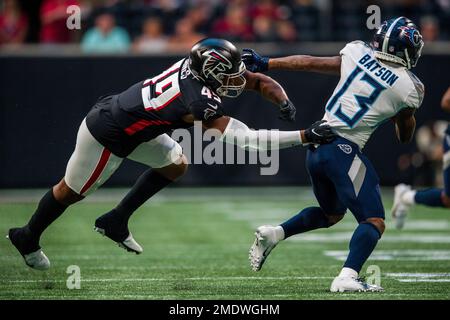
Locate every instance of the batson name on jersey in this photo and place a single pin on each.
(369, 92)
(150, 108)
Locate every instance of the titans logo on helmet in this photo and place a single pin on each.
(411, 33)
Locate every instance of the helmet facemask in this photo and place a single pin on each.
(233, 84)
(216, 74)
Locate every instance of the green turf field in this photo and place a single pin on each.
(195, 247)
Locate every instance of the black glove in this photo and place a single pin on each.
(254, 62)
(319, 134)
(287, 111)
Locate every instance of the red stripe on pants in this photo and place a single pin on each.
(142, 124)
(97, 171)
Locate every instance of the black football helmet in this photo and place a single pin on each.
(217, 62)
(398, 40)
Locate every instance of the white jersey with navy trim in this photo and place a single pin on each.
(369, 92)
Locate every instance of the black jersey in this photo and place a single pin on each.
(150, 108)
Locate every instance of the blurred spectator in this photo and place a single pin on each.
(429, 143)
(306, 19)
(234, 26)
(105, 36)
(200, 16)
(264, 8)
(236, 20)
(13, 23)
(185, 36)
(286, 31)
(152, 39)
(264, 29)
(53, 19)
(170, 11)
(429, 27)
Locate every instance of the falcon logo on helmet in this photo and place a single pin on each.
(215, 63)
(218, 64)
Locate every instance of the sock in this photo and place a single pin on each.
(279, 233)
(363, 242)
(48, 210)
(148, 184)
(430, 197)
(308, 219)
(408, 197)
(348, 272)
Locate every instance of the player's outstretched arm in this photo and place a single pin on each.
(257, 63)
(327, 65)
(445, 103)
(405, 124)
(236, 132)
(272, 91)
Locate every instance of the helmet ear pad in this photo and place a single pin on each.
(215, 62)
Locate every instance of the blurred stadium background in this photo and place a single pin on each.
(51, 76)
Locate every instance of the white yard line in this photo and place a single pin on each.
(181, 194)
(346, 236)
(420, 277)
(423, 280)
(172, 279)
(417, 275)
(398, 255)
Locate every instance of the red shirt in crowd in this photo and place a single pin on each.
(12, 29)
(53, 21)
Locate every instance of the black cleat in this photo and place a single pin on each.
(107, 225)
(29, 249)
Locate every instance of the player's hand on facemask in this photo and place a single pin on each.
(287, 111)
(319, 133)
(254, 62)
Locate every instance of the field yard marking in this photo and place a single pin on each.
(346, 236)
(182, 194)
(398, 255)
(423, 280)
(259, 278)
(89, 280)
(171, 279)
(420, 277)
(432, 225)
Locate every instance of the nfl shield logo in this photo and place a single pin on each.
(345, 148)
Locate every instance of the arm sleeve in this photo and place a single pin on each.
(239, 134)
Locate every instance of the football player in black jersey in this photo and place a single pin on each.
(134, 125)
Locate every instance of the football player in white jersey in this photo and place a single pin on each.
(376, 85)
(405, 197)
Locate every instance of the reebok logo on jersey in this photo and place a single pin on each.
(345, 148)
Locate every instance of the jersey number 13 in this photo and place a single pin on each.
(364, 102)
